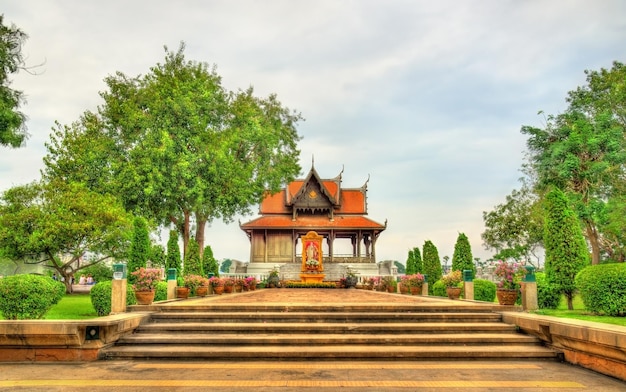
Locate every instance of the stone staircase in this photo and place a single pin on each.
(325, 332)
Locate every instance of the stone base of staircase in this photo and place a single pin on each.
(425, 329)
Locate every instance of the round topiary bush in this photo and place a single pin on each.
(548, 295)
(603, 288)
(100, 295)
(24, 297)
(439, 289)
(484, 290)
(160, 294)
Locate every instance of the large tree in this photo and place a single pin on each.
(12, 121)
(514, 229)
(64, 227)
(566, 250)
(178, 148)
(583, 150)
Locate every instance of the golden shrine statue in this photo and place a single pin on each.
(312, 258)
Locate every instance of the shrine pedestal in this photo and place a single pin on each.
(312, 278)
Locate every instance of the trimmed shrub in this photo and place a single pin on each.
(100, 295)
(160, 294)
(24, 297)
(548, 295)
(603, 288)
(484, 290)
(438, 289)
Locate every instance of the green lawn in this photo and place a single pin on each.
(580, 313)
(72, 307)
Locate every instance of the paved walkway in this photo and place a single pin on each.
(302, 375)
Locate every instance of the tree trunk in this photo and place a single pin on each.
(570, 301)
(592, 237)
(200, 229)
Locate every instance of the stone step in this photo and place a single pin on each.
(326, 339)
(322, 327)
(423, 307)
(308, 317)
(330, 352)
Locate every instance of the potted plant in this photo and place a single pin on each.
(181, 290)
(312, 264)
(229, 283)
(192, 282)
(350, 279)
(415, 282)
(146, 280)
(451, 280)
(250, 282)
(404, 284)
(510, 274)
(273, 279)
(389, 284)
(217, 284)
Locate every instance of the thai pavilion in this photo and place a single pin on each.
(317, 205)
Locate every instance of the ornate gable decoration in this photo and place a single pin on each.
(313, 197)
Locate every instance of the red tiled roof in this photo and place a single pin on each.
(340, 222)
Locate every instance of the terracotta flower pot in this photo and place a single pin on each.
(202, 291)
(182, 292)
(453, 292)
(218, 290)
(144, 297)
(416, 290)
(507, 296)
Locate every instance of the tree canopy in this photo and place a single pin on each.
(178, 148)
(65, 227)
(12, 121)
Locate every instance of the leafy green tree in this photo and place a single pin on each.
(419, 264)
(462, 257)
(582, 151)
(566, 250)
(432, 263)
(139, 247)
(193, 263)
(178, 148)
(514, 229)
(225, 266)
(12, 121)
(173, 253)
(401, 268)
(209, 264)
(56, 225)
(410, 263)
(157, 256)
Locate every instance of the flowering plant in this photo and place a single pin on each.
(194, 281)
(414, 280)
(216, 282)
(146, 279)
(452, 278)
(229, 282)
(312, 263)
(249, 281)
(510, 275)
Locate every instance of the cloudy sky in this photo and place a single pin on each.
(426, 98)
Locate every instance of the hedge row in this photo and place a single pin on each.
(25, 297)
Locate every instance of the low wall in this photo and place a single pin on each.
(596, 346)
(63, 340)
